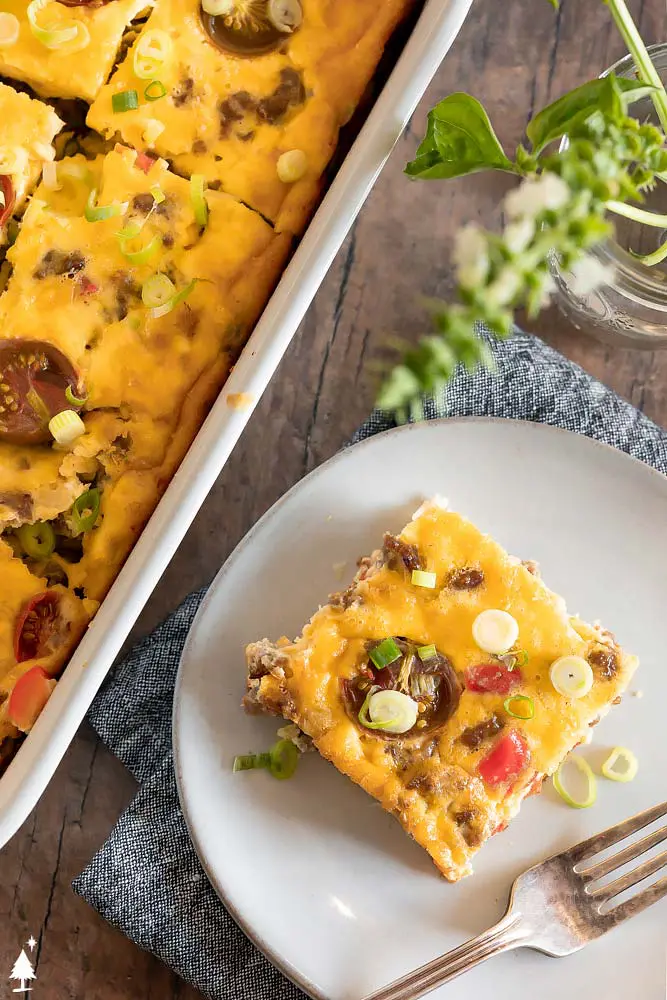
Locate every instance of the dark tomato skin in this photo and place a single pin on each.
(494, 678)
(35, 625)
(9, 197)
(505, 762)
(34, 378)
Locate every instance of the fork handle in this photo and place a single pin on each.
(504, 936)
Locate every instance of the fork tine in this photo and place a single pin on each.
(608, 838)
(629, 853)
(631, 907)
(626, 881)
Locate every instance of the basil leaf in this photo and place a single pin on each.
(573, 108)
(459, 140)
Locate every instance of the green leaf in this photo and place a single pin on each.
(459, 140)
(573, 108)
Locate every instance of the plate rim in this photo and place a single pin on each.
(283, 965)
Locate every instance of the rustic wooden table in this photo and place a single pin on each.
(514, 55)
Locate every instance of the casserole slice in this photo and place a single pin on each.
(447, 681)
(228, 96)
(54, 64)
(28, 129)
(139, 364)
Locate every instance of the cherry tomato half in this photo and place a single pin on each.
(29, 696)
(9, 198)
(509, 757)
(34, 378)
(35, 626)
(496, 678)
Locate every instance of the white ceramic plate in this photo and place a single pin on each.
(325, 882)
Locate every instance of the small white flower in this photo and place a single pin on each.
(501, 291)
(590, 273)
(548, 288)
(470, 256)
(534, 195)
(519, 234)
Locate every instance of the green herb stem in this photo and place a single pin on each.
(637, 214)
(637, 49)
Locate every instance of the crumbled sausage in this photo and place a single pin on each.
(58, 262)
(264, 657)
(143, 202)
(184, 92)
(474, 736)
(396, 550)
(290, 92)
(20, 503)
(605, 660)
(348, 598)
(465, 579)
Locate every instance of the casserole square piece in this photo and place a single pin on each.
(73, 68)
(28, 129)
(447, 681)
(143, 307)
(237, 94)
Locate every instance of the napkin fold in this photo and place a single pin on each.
(146, 879)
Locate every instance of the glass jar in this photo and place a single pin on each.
(632, 310)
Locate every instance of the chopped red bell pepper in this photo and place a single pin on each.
(29, 696)
(144, 162)
(495, 678)
(509, 757)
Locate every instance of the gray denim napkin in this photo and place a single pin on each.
(146, 879)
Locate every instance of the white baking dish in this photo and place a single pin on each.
(28, 774)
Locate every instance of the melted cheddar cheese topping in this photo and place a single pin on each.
(231, 118)
(28, 129)
(431, 781)
(62, 72)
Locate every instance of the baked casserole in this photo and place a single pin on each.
(158, 161)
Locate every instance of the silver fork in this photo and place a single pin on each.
(556, 906)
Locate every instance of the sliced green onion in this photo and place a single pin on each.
(52, 36)
(85, 511)
(571, 676)
(66, 427)
(426, 653)
(74, 400)
(284, 758)
(584, 767)
(157, 290)
(174, 301)
(421, 579)
(9, 30)
(384, 653)
(364, 718)
(98, 213)
(524, 704)
(280, 762)
(627, 758)
(391, 711)
(251, 761)
(495, 631)
(197, 187)
(126, 100)
(37, 540)
(520, 658)
(151, 51)
(158, 194)
(292, 166)
(155, 90)
(141, 256)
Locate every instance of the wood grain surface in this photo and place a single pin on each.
(512, 54)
